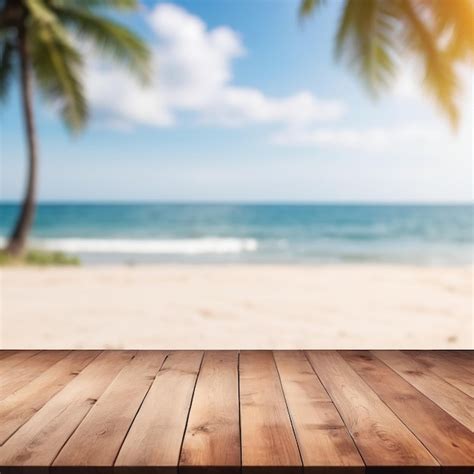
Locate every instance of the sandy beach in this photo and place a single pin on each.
(237, 306)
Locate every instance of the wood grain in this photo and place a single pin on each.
(196, 412)
(212, 437)
(12, 360)
(99, 437)
(447, 367)
(28, 370)
(267, 434)
(17, 408)
(5, 354)
(450, 442)
(40, 439)
(463, 359)
(323, 439)
(382, 439)
(449, 398)
(156, 435)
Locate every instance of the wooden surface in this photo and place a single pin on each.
(232, 412)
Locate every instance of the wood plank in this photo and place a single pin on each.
(19, 407)
(40, 439)
(449, 398)
(465, 353)
(382, 439)
(13, 360)
(267, 435)
(464, 359)
(4, 353)
(97, 440)
(189, 415)
(322, 437)
(156, 435)
(450, 442)
(212, 437)
(446, 367)
(28, 370)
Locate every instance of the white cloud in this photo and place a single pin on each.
(369, 140)
(238, 106)
(194, 64)
(194, 74)
(121, 100)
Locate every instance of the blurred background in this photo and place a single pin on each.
(212, 174)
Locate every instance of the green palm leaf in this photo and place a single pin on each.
(40, 12)
(366, 37)
(58, 66)
(439, 73)
(112, 4)
(308, 6)
(110, 38)
(34, 34)
(375, 36)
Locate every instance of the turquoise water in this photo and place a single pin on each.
(105, 233)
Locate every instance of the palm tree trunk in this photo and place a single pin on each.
(17, 243)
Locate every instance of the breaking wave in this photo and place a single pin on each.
(206, 245)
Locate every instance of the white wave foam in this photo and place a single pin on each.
(209, 245)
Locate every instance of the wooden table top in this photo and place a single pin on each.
(236, 411)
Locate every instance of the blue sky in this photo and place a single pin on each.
(247, 105)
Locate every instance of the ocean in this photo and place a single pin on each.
(253, 233)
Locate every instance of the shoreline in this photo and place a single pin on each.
(244, 306)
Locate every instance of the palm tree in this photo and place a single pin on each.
(39, 40)
(376, 36)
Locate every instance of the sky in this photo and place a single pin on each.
(246, 104)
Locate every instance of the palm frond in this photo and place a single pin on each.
(91, 4)
(366, 37)
(454, 22)
(309, 6)
(39, 11)
(6, 67)
(111, 38)
(57, 67)
(346, 25)
(440, 75)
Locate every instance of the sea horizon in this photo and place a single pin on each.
(291, 233)
(223, 202)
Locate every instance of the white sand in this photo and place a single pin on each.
(359, 306)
